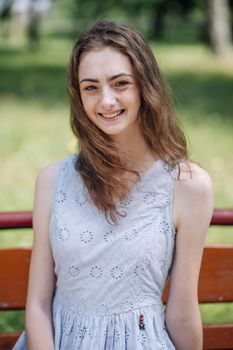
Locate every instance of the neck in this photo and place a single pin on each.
(136, 153)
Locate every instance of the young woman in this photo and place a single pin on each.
(114, 221)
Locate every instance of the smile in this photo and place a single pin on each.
(111, 116)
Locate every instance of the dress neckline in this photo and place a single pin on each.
(144, 176)
(149, 169)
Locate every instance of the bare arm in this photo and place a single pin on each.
(41, 277)
(193, 207)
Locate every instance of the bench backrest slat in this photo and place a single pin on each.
(218, 336)
(14, 267)
(216, 275)
(215, 282)
(8, 340)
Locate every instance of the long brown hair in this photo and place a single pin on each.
(99, 161)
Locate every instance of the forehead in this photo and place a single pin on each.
(104, 62)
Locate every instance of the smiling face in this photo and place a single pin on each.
(109, 91)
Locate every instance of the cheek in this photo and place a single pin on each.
(136, 102)
(87, 103)
(134, 97)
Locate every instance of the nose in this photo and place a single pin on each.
(108, 98)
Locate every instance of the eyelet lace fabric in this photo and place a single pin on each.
(110, 274)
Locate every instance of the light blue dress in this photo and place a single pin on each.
(109, 274)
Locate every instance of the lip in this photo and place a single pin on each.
(117, 116)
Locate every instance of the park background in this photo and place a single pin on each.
(192, 41)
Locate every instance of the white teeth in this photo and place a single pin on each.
(112, 115)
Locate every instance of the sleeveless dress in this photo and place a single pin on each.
(110, 274)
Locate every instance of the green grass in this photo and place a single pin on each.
(219, 313)
(10, 321)
(34, 127)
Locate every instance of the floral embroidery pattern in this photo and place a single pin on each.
(73, 270)
(91, 332)
(81, 199)
(162, 264)
(96, 272)
(126, 201)
(82, 332)
(110, 236)
(143, 266)
(86, 236)
(117, 335)
(150, 198)
(63, 234)
(164, 227)
(61, 196)
(116, 272)
(141, 338)
(131, 235)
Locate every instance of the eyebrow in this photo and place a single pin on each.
(110, 79)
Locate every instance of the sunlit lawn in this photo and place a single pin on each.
(34, 126)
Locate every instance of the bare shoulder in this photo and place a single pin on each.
(47, 175)
(193, 194)
(194, 180)
(43, 189)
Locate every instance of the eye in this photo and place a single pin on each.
(90, 88)
(122, 83)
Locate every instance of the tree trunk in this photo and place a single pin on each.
(159, 11)
(219, 26)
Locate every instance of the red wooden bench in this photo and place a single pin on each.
(215, 282)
